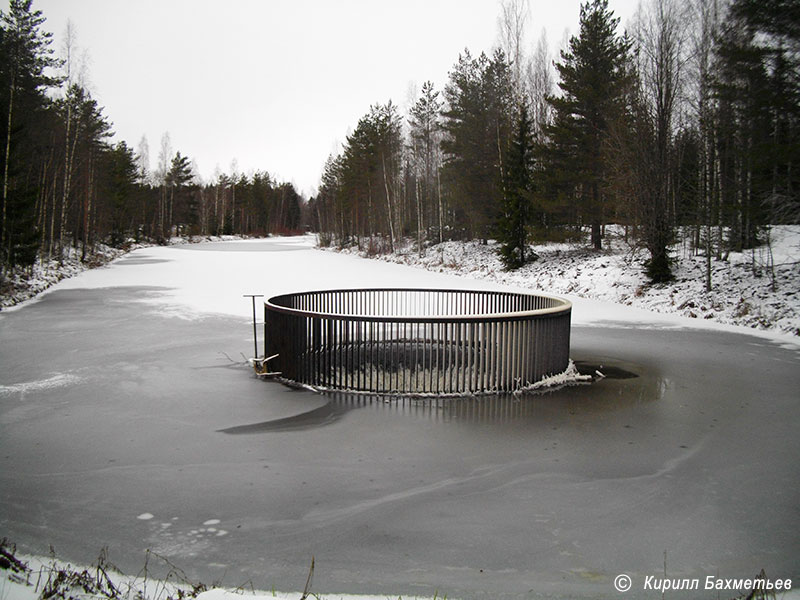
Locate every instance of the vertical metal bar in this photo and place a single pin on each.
(255, 330)
(450, 356)
(339, 336)
(359, 355)
(518, 353)
(523, 346)
(484, 354)
(462, 356)
(512, 352)
(496, 355)
(328, 357)
(369, 352)
(404, 353)
(319, 351)
(346, 381)
(436, 336)
(507, 355)
(473, 371)
(501, 355)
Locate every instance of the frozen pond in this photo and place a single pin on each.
(128, 421)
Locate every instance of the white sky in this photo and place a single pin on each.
(274, 84)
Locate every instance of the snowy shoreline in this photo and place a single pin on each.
(741, 292)
(27, 577)
(741, 295)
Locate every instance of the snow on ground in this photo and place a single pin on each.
(22, 285)
(25, 577)
(742, 291)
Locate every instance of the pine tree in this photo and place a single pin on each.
(179, 174)
(593, 80)
(512, 230)
(481, 102)
(22, 240)
(757, 88)
(25, 56)
(369, 177)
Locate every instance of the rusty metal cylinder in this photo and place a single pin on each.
(417, 341)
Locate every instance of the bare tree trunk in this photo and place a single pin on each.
(233, 207)
(171, 203)
(68, 163)
(41, 207)
(388, 203)
(87, 220)
(419, 218)
(217, 217)
(3, 232)
(441, 209)
(52, 236)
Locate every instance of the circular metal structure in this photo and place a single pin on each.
(416, 341)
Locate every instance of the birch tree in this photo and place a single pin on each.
(425, 135)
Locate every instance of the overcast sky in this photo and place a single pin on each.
(275, 85)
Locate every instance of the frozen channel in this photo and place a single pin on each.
(127, 421)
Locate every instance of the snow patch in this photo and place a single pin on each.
(220, 594)
(145, 516)
(55, 381)
(758, 289)
(568, 377)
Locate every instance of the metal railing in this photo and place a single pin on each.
(416, 341)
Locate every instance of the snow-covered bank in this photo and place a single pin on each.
(23, 285)
(24, 577)
(38, 578)
(604, 287)
(742, 292)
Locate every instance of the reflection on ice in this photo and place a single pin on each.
(615, 386)
(317, 417)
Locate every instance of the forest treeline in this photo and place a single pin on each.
(686, 124)
(66, 186)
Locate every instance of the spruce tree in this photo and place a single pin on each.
(593, 80)
(122, 172)
(512, 230)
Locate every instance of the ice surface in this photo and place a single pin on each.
(556, 493)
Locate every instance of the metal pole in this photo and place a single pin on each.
(255, 331)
